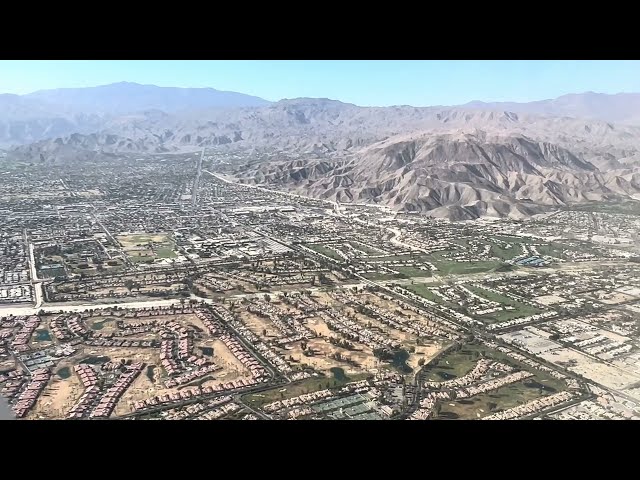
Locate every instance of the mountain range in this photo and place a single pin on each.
(52, 113)
(496, 159)
(619, 108)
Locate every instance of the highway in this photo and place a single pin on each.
(196, 182)
(36, 283)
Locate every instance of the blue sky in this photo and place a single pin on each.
(363, 82)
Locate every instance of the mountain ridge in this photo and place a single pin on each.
(621, 107)
(453, 162)
(58, 112)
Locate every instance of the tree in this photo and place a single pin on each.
(421, 362)
(129, 284)
(264, 332)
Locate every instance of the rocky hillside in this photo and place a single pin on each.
(459, 176)
(450, 162)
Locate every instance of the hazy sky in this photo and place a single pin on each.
(363, 82)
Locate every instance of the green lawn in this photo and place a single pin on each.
(143, 238)
(514, 240)
(365, 249)
(298, 388)
(163, 246)
(454, 364)
(460, 362)
(521, 309)
(503, 398)
(402, 258)
(553, 250)
(447, 267)
(165, 252)
(505, 315)
(380, 276)
(413, 272)
(505, 253)
(141, 258)
(422, 290)
(458, 241)
(627, 207)
(329, 252)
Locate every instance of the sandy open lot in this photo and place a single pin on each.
(549, 299)
(146, 355)
(58, 397)
(232, 368)
(609, 376)
(426, 352)
(318, 326)
(634, 392)
(257, 324)
(134, 239)
(613, 298)
(379, 327)
(141, 389)
(529, 340)
(7, 364)
(616, 337)
(108, 324)
(634, 307)
(630, 290)
(322, 362)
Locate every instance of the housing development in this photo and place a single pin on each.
(159, 287)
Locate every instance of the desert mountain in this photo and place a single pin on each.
(450, 162)
(619, 108)
(460, 176)
(49, 114)
(327, 128)
(127, 97)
